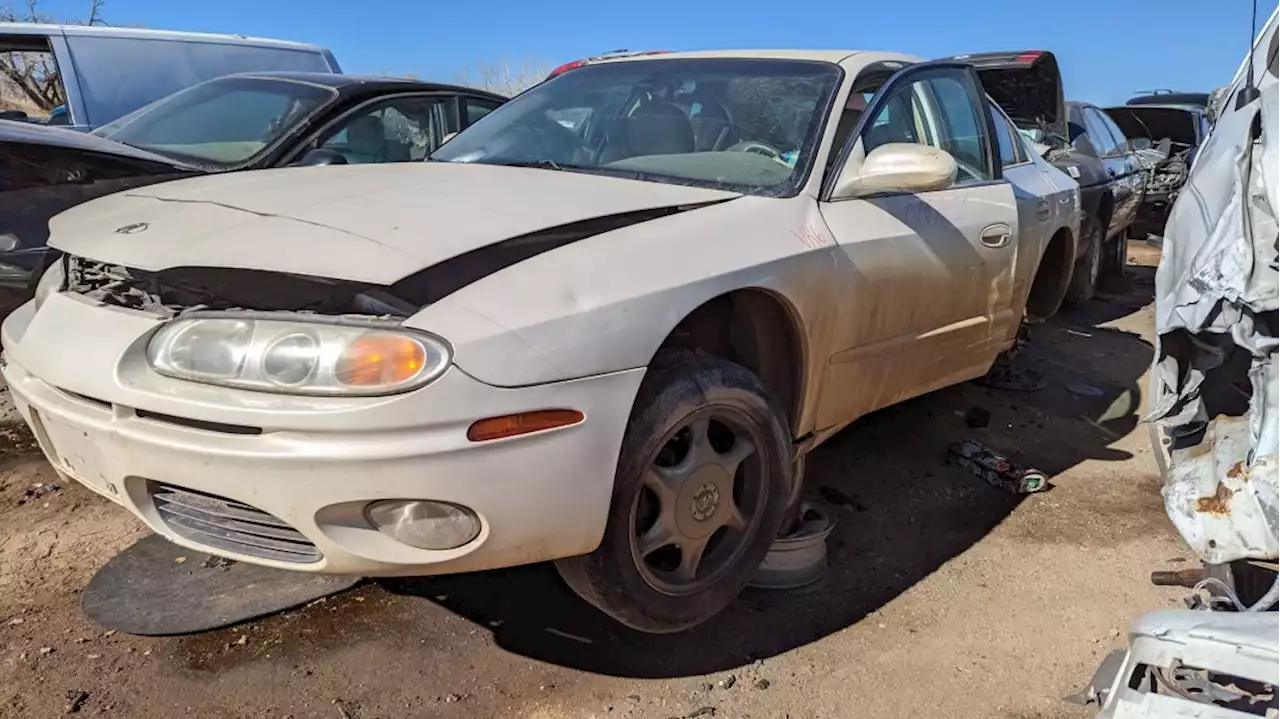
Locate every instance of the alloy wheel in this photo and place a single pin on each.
(701, 500)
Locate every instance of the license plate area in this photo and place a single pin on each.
(73, 452)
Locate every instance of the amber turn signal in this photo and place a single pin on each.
(380, 359)
(512, 425)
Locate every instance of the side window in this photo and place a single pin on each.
(1099, 135)
(401, 129)
(937, 109)
(477, 108)
(1116, 133)
(1007, 140)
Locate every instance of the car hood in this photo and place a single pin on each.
(26, 133)
(1157, 123)
(1027, 85)
(371, 223)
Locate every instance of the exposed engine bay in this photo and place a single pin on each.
(171, 292)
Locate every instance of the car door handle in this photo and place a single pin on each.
(996, 235)
(1042, 210)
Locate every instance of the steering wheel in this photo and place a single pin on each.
(756, 148)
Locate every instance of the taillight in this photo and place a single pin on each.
(1029, 56)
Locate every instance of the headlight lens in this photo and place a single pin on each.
(52, 281)
(297, 357)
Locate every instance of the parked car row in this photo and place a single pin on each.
(602, 325)
(236, 122)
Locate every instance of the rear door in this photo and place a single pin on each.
(1033, 192)
(927, 280)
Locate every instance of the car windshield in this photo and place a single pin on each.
(748, 125)
(222, 123)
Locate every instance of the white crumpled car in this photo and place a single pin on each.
(602, 327)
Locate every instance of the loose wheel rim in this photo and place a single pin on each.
(700, 502)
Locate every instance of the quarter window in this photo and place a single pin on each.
(478, 108)
(936, 109)
(1009, 142)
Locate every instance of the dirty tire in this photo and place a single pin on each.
(678, 385)
(1115, 256)
(1084, 275)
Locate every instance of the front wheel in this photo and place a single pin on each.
(702, 488)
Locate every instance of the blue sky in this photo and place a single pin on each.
(1107, 48)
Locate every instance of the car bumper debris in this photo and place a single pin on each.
(1194, 664)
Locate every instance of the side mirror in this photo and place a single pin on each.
(320, 157)
(898, 167)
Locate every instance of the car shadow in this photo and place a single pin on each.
(902, 510)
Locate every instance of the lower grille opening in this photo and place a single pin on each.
(200, 424)
(230, 525)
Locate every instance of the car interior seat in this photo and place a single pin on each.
(655, 127)
(367, 142)
(710, 121)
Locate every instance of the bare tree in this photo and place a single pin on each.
(32, 77)
(505, 76)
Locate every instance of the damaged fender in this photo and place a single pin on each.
(1214, 384)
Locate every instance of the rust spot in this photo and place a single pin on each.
(1219, 503)
(1236, 471)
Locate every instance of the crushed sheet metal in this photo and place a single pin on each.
(1213, 502)
(1218, 282)
(1227, 644)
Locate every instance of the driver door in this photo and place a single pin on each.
(926, 279)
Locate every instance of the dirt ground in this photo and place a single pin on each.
(945, 597)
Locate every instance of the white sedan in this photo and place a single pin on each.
(602, 326)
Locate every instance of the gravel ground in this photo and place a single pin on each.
(945, 597)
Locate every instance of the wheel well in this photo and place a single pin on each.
(755, 329)
(1052, 277)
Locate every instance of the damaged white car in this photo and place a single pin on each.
(1215, 425)
(603, 326)
(1215, 419)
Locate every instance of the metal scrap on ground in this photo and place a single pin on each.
(996, 468)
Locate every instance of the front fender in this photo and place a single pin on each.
(606, 303)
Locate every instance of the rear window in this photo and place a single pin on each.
(119, 75)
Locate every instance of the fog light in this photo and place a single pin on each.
(423, 524)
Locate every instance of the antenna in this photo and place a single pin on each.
(1250, 92)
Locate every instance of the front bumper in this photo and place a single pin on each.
(306, 467)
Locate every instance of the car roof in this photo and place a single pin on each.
(19, 28)
(1193, 109)
(832, 56)
(337, 82)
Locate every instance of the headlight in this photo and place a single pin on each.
(297, 357)
(52, 281)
